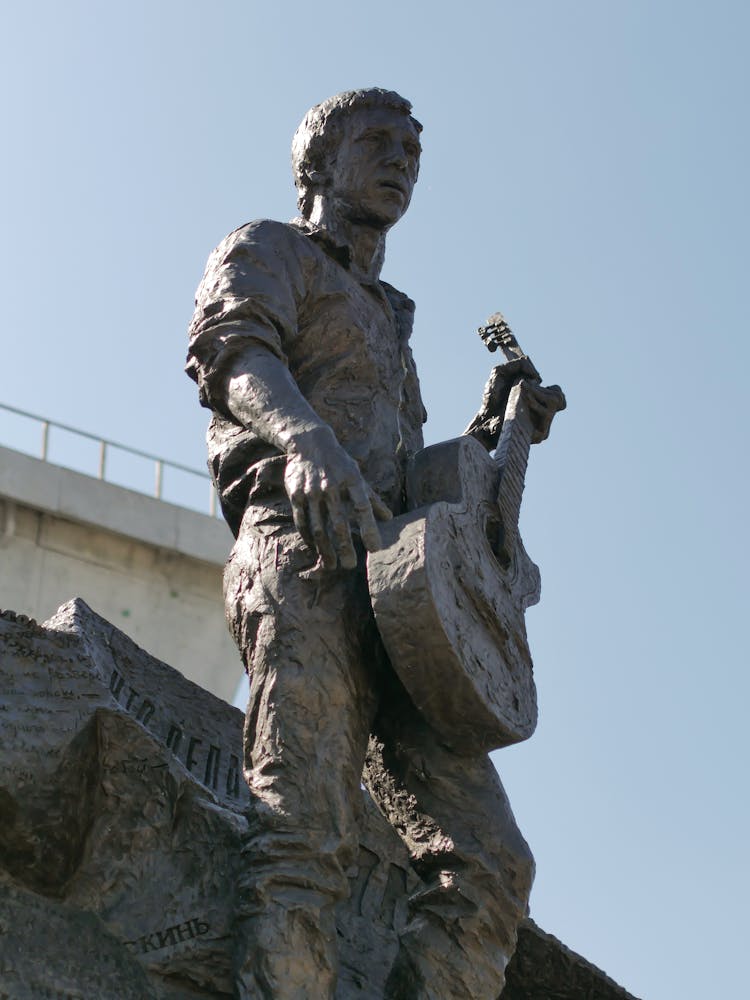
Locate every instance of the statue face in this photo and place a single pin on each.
(376, 166)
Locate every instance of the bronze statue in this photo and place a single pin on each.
(302, 354)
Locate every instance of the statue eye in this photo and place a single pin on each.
(372, 138)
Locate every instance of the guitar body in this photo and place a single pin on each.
(449, 601)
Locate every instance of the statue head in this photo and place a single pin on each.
(360, 148)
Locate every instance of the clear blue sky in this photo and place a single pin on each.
(585, 170)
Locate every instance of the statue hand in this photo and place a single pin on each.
(544, 402)
(329, 497)
(488, 420)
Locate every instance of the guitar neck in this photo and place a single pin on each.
(512, 451)
(512, 455)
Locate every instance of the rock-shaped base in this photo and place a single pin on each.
(121, 811)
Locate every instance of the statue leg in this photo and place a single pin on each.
(298, 628)
(453, 814)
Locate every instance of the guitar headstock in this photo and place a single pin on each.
(497, 334)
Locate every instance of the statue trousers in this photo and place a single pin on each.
(326, 713)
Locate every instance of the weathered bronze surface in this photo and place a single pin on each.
(121, 824)
(302, 354)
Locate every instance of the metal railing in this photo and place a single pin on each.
(105, 446)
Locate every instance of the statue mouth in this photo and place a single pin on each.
(391, 185)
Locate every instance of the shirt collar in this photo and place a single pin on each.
(340, 252)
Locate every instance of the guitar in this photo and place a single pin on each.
(452, 582)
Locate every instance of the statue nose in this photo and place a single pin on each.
(397, 156)
(399, 160)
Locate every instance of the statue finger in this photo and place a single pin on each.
(299, 516)
(340, 530)
(380, 509)
(365, 518)
(319, 534)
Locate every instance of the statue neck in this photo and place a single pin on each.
(366, 244)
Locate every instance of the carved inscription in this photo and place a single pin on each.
(51, 684)
(216, 769)
(174, 738)
(375, 891)
(191, 760)
(170, 937)
(233, 776)
(211, 777)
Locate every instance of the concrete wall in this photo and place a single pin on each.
(150, 567)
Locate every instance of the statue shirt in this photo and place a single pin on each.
(288, 287)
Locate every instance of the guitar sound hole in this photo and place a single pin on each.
(493, 528)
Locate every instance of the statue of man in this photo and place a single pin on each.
(302, 354)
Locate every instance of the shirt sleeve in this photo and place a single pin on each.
(250, 292)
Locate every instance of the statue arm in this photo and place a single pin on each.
(246, 314)
(325, 487)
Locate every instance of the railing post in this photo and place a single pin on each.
(212, 501)
(45, 439)
(102, 459)
(159, 476)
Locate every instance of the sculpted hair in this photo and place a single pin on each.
(319, 134)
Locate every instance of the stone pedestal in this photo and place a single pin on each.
(121, 809)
